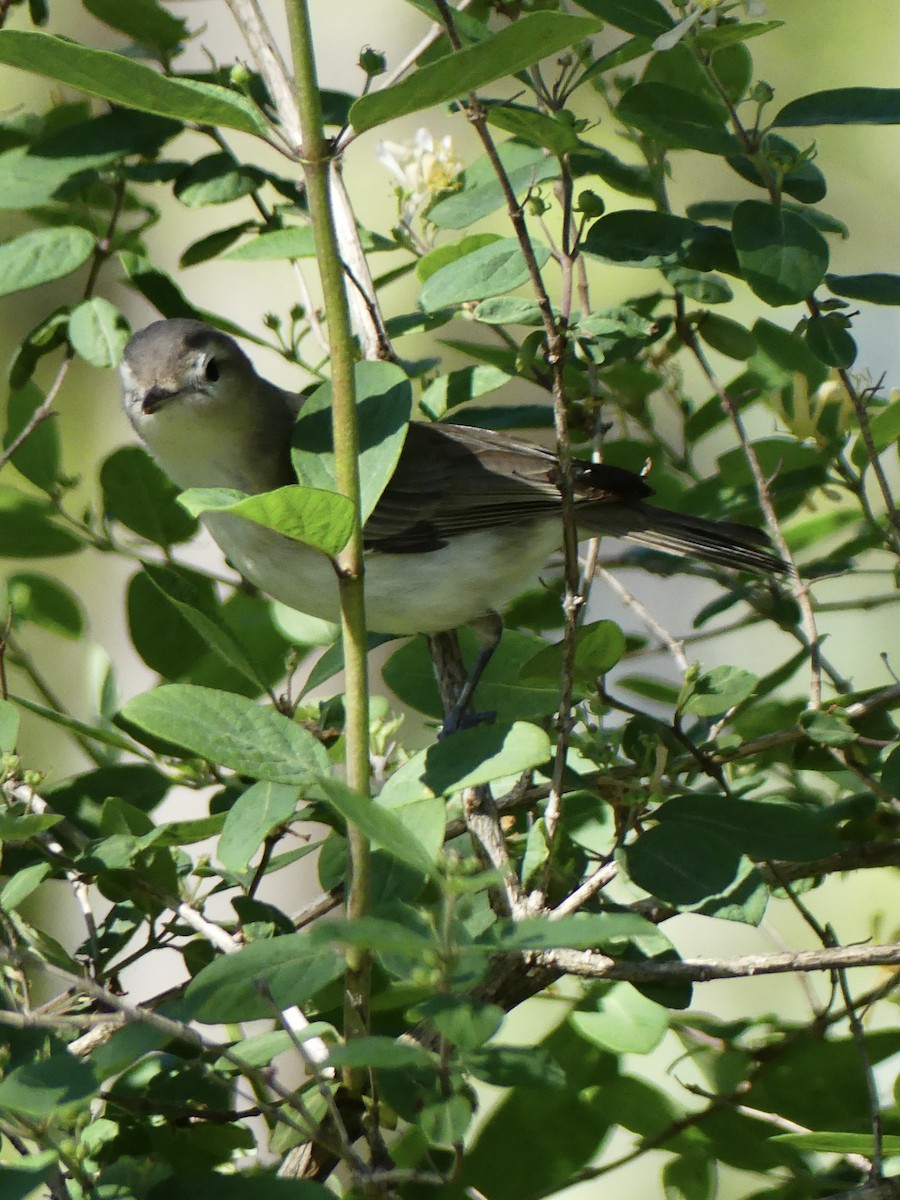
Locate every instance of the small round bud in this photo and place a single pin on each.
(590, 204)
(763, 93)
(373, 62)
(240, 76)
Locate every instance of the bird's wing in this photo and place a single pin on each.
(454, 479)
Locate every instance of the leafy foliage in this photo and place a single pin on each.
(553, 852)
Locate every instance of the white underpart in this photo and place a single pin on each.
(405, 593)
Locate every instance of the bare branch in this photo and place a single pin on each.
(588, 964)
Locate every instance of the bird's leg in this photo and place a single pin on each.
(457, 692)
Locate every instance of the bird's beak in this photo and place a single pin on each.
(156, 398)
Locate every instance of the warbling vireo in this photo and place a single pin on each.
(466, 522)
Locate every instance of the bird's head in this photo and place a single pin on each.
(194, 398)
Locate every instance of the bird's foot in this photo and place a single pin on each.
(462, 717)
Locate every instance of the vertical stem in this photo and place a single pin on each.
(557, 349)
(316, 154)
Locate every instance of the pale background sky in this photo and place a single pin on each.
(825, 43)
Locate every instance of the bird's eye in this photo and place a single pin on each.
(211, 371)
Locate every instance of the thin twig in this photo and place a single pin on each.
(674, 646)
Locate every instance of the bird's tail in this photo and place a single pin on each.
(722, 543)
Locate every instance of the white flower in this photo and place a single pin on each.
(421, 168)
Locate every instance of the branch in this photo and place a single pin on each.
(556, 354)
(367, 317)
(481, 817)
(589, 964)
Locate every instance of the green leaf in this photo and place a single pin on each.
(489, 271)
(463, 1021)
(99, 141)
(296, 241)
(430, 263)
(383, 408)
(640, 238)
(141, 496)
(716, 691)
(379, 824)
(522, 44)
(292, 968)
(843, 106)
(537, 851)
(216, 179)
(800, 177)
(681, 120)
(727, 336)
(38, 458)
(45, 602)
(691, 1176)
(552, 133)
(30, 1171)
(467, 759)
(516, 1067)
(317, 518)
(825, 1142)
(480, 192)
(99, 332)
(194, 599)
(884, 425)
(124, 81)
(670, 862)
(160, 632)
(459, 387)
(229, 730)
(625, 1021)
(410, 675)
(29, 530)
(759, 828)
(40, 1089)
(380, 1053)
(44, 254)
(509, 310)
(828, 729)
(213, 244)
(145, 21)
(646, 18)
(598, 648)
(19, 827)
(719, 36)
(875, 288)
(93, 733)
(612, 932)
(377, 934)
(258, 811)
(697, 285)
(445, 1122)
(9, 726)
(782, 257)
(828, 338)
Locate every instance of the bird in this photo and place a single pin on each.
(467, 521)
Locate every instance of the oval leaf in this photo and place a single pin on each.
(99, 332)
(124, 81)
(782, 257)
(489, 271)
(511, 49)
(843, 106)
(323, 520)
(229, 730)
(42, 255)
